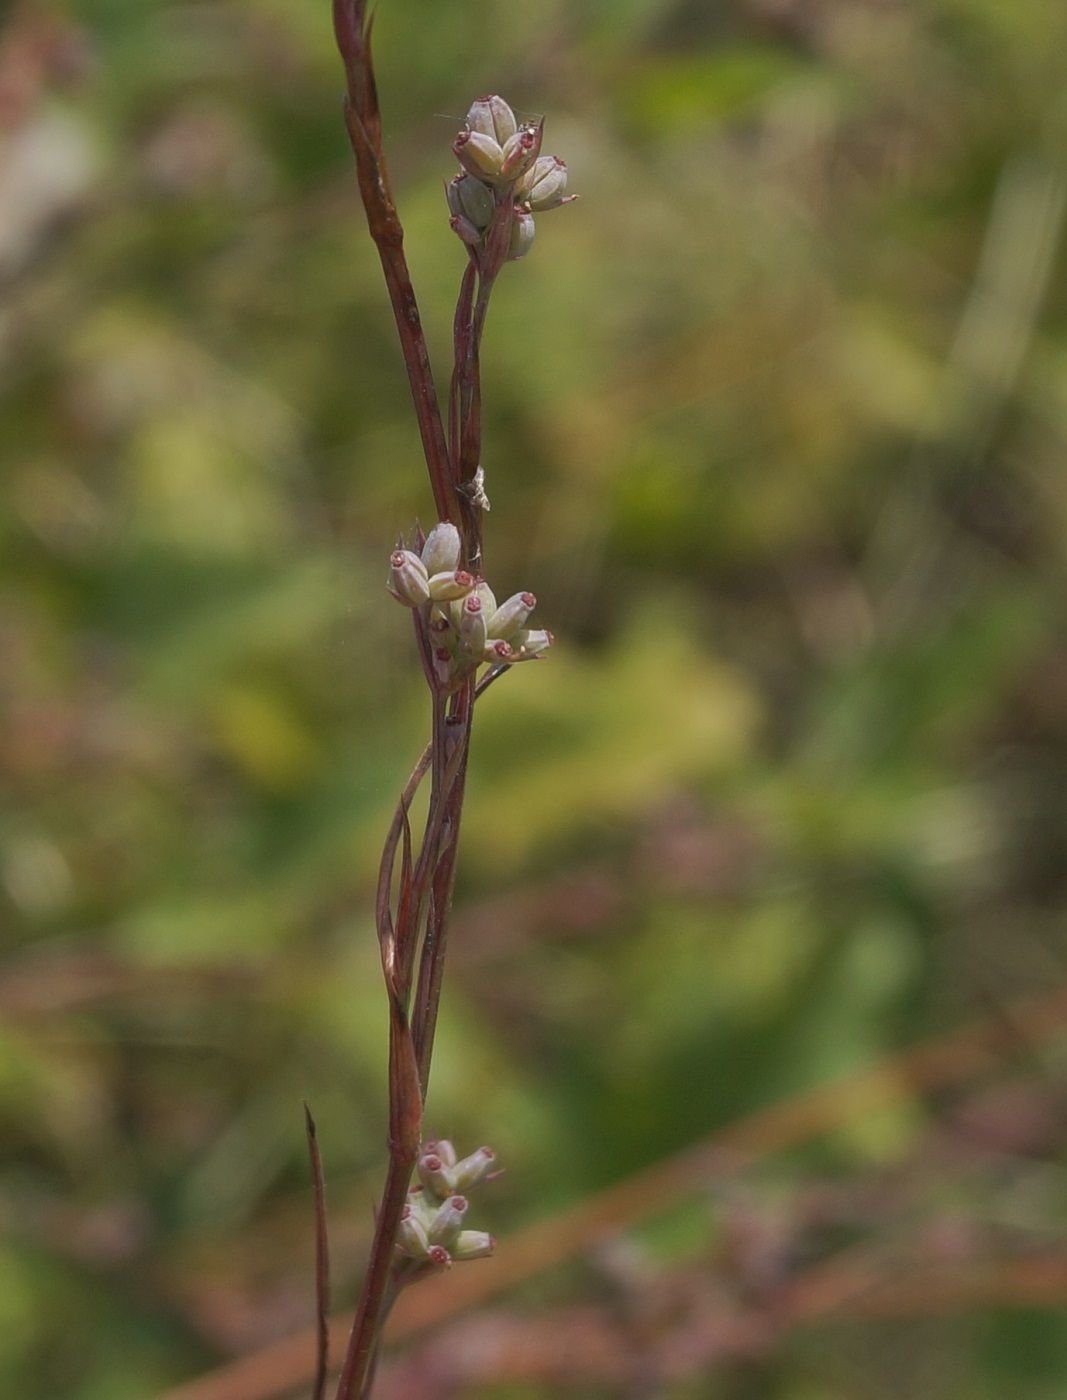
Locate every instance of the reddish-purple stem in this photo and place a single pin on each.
(425, 884)
(363, 120)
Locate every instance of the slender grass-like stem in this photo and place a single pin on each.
(413, 903)
(359, 1358)
(363, 121)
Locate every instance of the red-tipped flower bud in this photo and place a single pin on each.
(455, 583)
(470, 1170)
(436, 1178)
(511, 615)
(448, 1221)
(487, 598)
(472, 634)
(499, 653)
(439, 1256)
(411, 1235)
(441, 1147)
(408, 581)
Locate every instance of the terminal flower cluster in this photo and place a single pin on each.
(431, 1225)
(502, 165)
(465, 625)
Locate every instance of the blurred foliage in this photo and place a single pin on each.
(776, 428)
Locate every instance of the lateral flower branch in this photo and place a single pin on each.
(465, 641)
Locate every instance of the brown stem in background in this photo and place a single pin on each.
(322, 1262)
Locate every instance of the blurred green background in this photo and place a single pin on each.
(776, 417)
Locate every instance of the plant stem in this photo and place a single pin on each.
(425, 890)
(363, 121)
(359, 1358)
(432, 961)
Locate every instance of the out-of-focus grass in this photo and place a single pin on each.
(776, 422)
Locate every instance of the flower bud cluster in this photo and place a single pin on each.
(466, 625)
(432, 1225)
(502, 165)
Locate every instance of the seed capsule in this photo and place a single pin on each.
(493, 117)
(479, 155)
(544, 184)
(472, 200)
(522, 236)
(520, 151)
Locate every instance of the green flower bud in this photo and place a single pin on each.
(408, 581)
(473, 1244)
(511, 615)
(544, 184)
(472, 635)
(471, 1170)
(448, 1220)
(411, 1236)
(440, 553)
(520, 151)
(449, 584)
(472, 200)
(492, 117)
(522, 236)
(478, 154)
